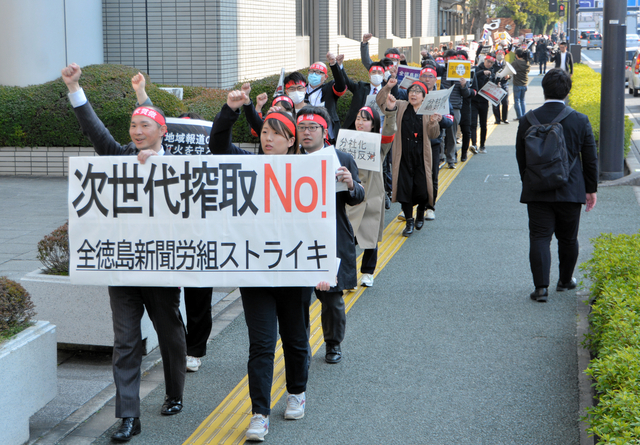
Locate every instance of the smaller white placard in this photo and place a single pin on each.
(363, 146)
(493, 93)
(436, 102)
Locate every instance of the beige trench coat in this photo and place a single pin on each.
(430, 130)
(367, 218)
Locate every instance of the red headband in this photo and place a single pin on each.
(284, 120)
(319, 67)
(420, 84)
(393, 56)
(490, 57)
(293, 83)
(499, 52)
(282, 98)
(376, 68)
(150, 113)
(368, 110)
(429, 70)
(314, 118)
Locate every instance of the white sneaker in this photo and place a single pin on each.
(258, 428)
(473, 149)
(193, 363)
(295, 406)
(366, 280)
(430, 215)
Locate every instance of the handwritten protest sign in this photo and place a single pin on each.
(493, 93)
(187, 136)
(457, 69)
(202, 221)
(363, 146)
(436, 102)
(408, 71)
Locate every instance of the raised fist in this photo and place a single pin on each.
(138, 82)
(402, 57)
(392, 82)
(261, 100)
(366, 37)
(391, 102)
(331, 58)
(235, 99)
(71, 76)
(340, 59)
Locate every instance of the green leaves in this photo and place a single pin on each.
(16, 308)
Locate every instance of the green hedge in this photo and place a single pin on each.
(614, 338)
(585, 98)
(41, 116)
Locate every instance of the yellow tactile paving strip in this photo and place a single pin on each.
(229, 421)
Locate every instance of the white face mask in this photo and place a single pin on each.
(297, 96)
(395, 63)
(387, 74)
(376, 79)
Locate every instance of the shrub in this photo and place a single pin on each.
(53, 251)
(41, 116)
(16, 308)
(614, 338)
(585, 98)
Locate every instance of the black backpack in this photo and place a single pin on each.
(547, 159)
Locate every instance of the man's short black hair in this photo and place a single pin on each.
(450, 53)
(296, 77)
(156, 109)
(392, 51)
(563, 43)
(556, 84)
(320, 111)
(386, 62)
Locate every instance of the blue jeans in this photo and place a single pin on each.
(518, 99)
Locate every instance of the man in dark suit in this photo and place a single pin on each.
(558, 211)
(128, 303)
(312, 131)
(563, 59)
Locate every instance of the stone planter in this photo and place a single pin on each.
(28, 379)
(82, 314)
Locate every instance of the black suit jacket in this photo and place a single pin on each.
(557, 59)
(360, 91)
(331, 92)
(583, 177)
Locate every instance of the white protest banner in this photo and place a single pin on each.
(493, 93)
(436, 102)
(407, 82)
(202, 221)
(363, 146)
(187, 136)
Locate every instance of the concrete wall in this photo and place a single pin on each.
(40, 37)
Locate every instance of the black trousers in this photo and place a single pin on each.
(334, 316)
(545, 220)
(466, 137)
(128, 304)
(267, 311)
(501, 112)
(369, 260)
(386, 172)
(479, 109)
(197, 301)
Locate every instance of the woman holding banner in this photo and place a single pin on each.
(367, 218)
(412, 156)
(268, 308)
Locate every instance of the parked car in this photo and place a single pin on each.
(631, 46)
(590, 39)
(632, 73)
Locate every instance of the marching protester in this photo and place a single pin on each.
(367, 218)
(520, 81)
(563, 59)
(465, 113)
(555, 208)
(501, 111)
(197, 300)
(321, 93)
(269, 310)
(390, 53)
(542, 55)
(312, 130)
(295, 87)
(412, 156)
(480, 105)
(128, 303)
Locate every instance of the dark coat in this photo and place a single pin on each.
(578, 135)
(331, 92)
(482, 79)
(360, 91)
(557, 59)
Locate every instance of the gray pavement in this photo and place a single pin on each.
(446, 348)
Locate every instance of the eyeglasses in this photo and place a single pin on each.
(311, 128)
(415, 91)
(297, 88)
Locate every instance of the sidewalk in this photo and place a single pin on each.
(446, 348)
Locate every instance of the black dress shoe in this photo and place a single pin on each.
(408, 230)
(171, 406)
(419, 219)
(570, 285)
(129, 428)
(505, 122)
(463, 159)
(334, 354)
(540, 295)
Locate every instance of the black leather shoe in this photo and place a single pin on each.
(334, 354)
(171, 406)
(408, 230)
(419, 219)
(463, 159)
(129, 428)
(505, 122)
(570, 285)
(540, 295)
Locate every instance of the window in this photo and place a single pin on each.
(345, 22)
(303, 17)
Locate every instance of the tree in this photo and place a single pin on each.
(529, 14)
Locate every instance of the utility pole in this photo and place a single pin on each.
(611, 157)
